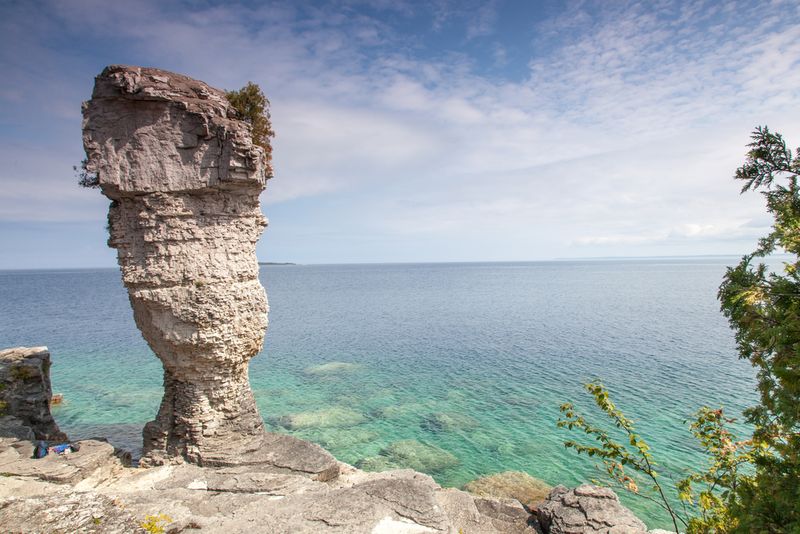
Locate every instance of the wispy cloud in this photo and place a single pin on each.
(623, 131)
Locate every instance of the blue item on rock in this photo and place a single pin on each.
(60, 449)
(40, 451)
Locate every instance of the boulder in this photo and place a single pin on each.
(12, 427)
(587, 509)
(517, 485)
(25, 394)
(473, 514)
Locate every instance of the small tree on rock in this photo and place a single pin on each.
(253, 107)
(764, 311)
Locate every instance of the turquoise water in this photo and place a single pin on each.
(471, 358)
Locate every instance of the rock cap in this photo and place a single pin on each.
(191, 127)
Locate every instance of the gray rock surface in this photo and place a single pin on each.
(16, 459)
(12, 427)
(486, 515)
(587, 509)
(247, 499)
(66, 512)
(184, 178)
(25, 394)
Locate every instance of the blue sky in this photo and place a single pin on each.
(426, 131)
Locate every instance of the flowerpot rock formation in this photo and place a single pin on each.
(184, 179)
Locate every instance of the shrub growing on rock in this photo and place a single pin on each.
(253, 107)
(764, 311)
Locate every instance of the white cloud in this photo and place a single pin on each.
(624, 133)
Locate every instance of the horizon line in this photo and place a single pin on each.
(298, 264)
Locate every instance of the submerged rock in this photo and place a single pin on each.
(330, 417)
(340, 439)
(410, 454)
(448, 422)
(376, 464)
(587, 509)
(517, 485)
(332, 368)
(25, 394)
(401, 411)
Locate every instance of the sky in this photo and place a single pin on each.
(426, 131)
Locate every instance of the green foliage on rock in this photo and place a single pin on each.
(703, 502)
(763, 308)
(85, 177)
(253, 107)
(22, 372)
(155, 524)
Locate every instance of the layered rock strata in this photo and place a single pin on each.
(184, 178)
(25, 394)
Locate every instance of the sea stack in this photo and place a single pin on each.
(184, 179)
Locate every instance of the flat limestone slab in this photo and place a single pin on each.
(16, 459)
(281, 452)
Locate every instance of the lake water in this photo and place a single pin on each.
(471, 358)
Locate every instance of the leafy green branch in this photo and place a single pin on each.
(617, 456)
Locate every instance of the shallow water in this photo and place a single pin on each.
(471, 358)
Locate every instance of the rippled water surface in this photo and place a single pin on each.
(473, 359)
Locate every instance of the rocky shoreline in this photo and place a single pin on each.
(183, 174)
(96, 490)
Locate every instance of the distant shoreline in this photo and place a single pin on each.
(546, 260)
